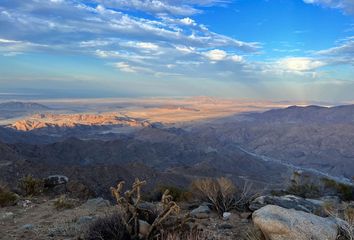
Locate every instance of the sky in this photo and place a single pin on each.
(255, 49)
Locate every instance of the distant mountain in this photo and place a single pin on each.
(57, 121)
(22, 106)
(320, 138)
(308, 114)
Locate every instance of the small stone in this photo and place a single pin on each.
(226, 216)
(144, 228)
(7, 216)
(27, 227)
(201, 209)
(26, 204)
(85, 219)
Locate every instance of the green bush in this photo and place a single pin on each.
(7, 198)
(31, 186)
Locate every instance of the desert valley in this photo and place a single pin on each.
(172, 143)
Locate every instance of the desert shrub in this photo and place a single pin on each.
(306, 190)
(222, 193)
(219, 192)
(303, 186)
(178, 194)
(7, 198)
(345, 191)
(31, 186)
(63, 203)
(110, 227)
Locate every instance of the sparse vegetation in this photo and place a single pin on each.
(344, 191)
(30, 186)
(253, 233)
(178, 194)
(111, 227)
(7, 198)
(345, 211)
(302, 186)
(222, 193)
(130, 219)
(63, 203)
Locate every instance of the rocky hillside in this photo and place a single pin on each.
(39, 121)
(313, 137)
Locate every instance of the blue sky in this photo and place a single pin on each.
(261, 49)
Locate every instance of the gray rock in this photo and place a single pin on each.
(85, 219)
(200, 210)
(95, 203)
(144, 228)
(27, 227)
(6, 216)
(55, 180)
(287, 201)
(279, 223)
(226, 216)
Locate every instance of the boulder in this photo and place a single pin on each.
(279, 223)
(287, 201)
(55, 180)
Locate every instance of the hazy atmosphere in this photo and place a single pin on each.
(177, 119)
(261, 49)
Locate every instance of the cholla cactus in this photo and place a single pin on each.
(130, 201)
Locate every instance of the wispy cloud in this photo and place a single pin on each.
(346, 6)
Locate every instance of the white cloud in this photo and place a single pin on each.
(185, 49)
(346, 6)
(188, 21)
(300, 64)
(174, 7)
(216, 55)
(236, 58)
(125, 67)
(147, 46)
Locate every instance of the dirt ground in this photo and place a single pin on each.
(39, 220)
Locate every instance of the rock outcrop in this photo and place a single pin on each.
(287, 201)
(279, 223)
